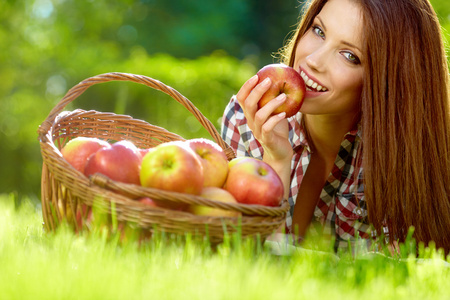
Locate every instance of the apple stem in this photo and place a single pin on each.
(282, 88)
(167, 164)
(262, 171)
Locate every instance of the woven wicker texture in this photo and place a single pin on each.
(66, 193)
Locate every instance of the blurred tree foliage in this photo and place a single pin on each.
(204, 49)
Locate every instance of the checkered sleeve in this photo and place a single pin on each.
(236, 133)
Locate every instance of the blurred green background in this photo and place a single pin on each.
(205, 49)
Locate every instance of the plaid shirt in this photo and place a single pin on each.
(341, 210)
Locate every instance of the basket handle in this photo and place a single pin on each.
(79, 89)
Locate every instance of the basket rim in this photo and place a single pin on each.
(140, 191)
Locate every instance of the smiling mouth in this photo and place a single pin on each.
(311, 85)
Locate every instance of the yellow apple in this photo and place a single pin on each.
(213, 159)
(217, 194)
(172, 166)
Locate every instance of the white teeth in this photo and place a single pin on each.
(312, 84)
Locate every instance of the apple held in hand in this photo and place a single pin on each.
(217, 194)
(78, 150)
(284, 80)
(120, 162)
(213, 159)
(172, 166)
(252, 181)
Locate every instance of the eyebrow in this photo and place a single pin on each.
(343, 42)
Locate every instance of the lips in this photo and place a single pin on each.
(312, 85)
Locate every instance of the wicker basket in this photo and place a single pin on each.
(66, 193)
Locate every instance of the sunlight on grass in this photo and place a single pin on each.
(63, 265)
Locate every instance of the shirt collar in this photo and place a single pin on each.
(297, 133)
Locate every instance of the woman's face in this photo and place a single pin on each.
(329, 58)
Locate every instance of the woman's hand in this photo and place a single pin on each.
(271, 131)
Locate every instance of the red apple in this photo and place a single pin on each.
(147, 201)
(172, 166)
(217, 194)
(144, 151)
(252, 181)
(213, 159)
(78, 150)
(163, 204)
(120, 162)
(83, 215)
(284, 80)
(235, 160)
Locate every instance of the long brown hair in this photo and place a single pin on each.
(404, 116)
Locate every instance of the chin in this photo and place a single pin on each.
(313, 107)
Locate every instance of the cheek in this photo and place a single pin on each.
(348, 86)
(302, 50)
(348, 81)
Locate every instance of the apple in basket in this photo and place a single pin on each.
(252, 181)
(120, 162)
(284, 80)
(147, 201)
(78, 150)
(144, 151)
(172, 166)
(213, 159)
(217, 194)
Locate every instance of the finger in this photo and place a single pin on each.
(250, 106)
(267, 110)
(246, 88)
(268, 127)
(264, 113)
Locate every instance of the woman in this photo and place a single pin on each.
(368, 153)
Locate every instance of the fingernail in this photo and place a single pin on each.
(281, 97)
(254, 79)
(282, 115)
(266, 81)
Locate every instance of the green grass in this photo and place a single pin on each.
(63, 265)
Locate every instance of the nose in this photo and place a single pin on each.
(317, 59)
